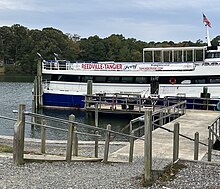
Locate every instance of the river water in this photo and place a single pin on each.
(14, 93)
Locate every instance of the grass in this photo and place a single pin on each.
(6, 148)
(171, 170)
(168, 174)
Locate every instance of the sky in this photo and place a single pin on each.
(145, 20)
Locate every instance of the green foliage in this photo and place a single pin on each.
(6, 148)
(19, 47)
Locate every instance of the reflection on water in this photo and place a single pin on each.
(14, 93)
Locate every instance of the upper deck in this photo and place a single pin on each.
(174, 54)
(156, 62)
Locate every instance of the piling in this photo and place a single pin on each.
(70, 139)
(196, 146)
(43, 136)
(147, 144)
(107, 141)
(176, 142)
(37, 100)
(18, 141)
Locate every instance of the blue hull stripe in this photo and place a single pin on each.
(63, 100)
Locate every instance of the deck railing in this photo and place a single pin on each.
(194, 102)
(160, 116)
(214, 136)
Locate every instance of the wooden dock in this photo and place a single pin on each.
(120, 103)
(190, 123)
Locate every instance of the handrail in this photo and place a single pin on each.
(79, 124)
(141, 118)
(214, 135)
(184, 136)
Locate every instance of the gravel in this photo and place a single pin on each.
(83, 175)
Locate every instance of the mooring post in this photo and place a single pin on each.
(131, 152)
(70, 138)
(34, 105)
(75, 141)
(210, 143)
(89, 92)
(107, 141)
(196, 146)
(96, 143)
(96, 115)
(43, 136)
(147, 144)
(176, 142)
(161, 118)
(18, 141)
(39, 85)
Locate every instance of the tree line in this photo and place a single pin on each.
(19, 47)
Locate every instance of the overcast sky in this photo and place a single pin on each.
(146, 20)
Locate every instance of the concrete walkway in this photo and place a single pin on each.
(190, 123)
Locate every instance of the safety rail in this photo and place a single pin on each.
(194, 102)
(161, 116)
(72, 136)
(214, 135)
(128, 102)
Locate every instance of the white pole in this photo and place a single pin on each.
(207, 36)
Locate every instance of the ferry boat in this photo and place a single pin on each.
(171, 71)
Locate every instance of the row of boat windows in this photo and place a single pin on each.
(136, 79)
(213, 55)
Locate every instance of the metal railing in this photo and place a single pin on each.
(161, 116)
(214, 135)
(194, 102)
(118, 101)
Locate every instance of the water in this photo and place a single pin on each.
(14, 93)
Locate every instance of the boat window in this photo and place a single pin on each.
(200, 81)
(214, 63)
(113, 79)
(127, 79)
(213, 55)
(99, 79)
(141, 79)
(85, 78)
(214, 80)
(186, 82)
(69, 78)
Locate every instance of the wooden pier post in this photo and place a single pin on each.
(96, 143)
(96, 115)
(39, 85)
(18, 141)
(89, 92)
(37, 100)
(75, 141)
(43, 136)
(148, 145)
(196, 146)
(210, 144)
(34, 105)
(176, 142)
(70, 139)
(131, 152)
(107, 141)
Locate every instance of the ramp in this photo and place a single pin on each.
(190, 123)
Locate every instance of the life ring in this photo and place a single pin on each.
(172, 80)
(218, 106)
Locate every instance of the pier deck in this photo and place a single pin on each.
(162, 145)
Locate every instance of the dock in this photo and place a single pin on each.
(162, 141)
